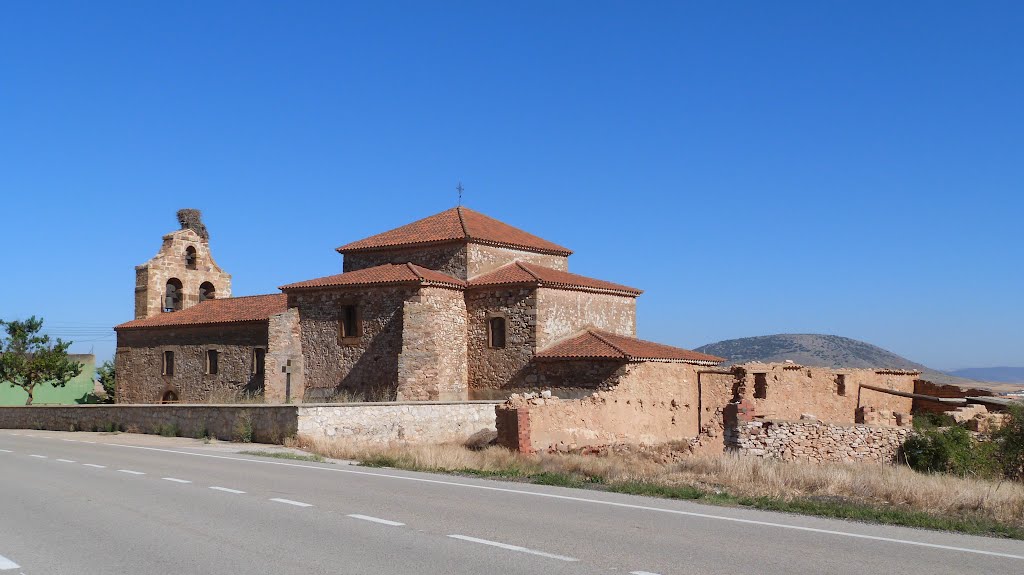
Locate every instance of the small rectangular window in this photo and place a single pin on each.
(841, 384)
(168, 363)
(496, 332)
(212, 356)
(348, 323)
(760, 386)
(259, 361)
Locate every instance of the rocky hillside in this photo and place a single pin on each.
(820, 350)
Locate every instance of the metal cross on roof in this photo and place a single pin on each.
(459, 189)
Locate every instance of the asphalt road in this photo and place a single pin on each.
(87, 503)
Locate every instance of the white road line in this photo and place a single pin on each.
(15, 434)
(513, 548)
(38, 456)
(376, 520)
(94, 465)
(70, 440)
(226, 490)
(65, 461)
(593, 501)
(130, 472)
(6, 451)
(176, 480)
(641, 573)
(6, 564)
(290, 502)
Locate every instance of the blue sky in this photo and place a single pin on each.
(852, 168)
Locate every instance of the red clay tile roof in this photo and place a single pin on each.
(597, 344)
(387, 274)
(520, 273)
(457, 224)
(228, 310)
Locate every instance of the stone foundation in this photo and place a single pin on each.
(816, 441)
(411, 422)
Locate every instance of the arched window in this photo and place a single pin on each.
(172, 296)
(496, 332)
(169, 397)
(207, 291)
(190, 258)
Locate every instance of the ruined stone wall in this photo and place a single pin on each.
(650, 402)
(817, 441)
(151, 278)
(267, 423)
(493, 370)
(139, 362)
(562, 313)
(447, 258)
(937, 390)
(284, 345)
(481, 259)
(365, 365)
(433, 364)
(792, 390)
(426, 422)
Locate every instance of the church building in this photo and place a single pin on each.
(452, 307)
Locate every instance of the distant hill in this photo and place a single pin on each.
(999, 374)
(822, 351)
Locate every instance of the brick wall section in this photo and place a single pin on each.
(513, 427)
(367, 364)
(284, 343)
(481, 259)
(491, 371)
(270, 423)
(432, 365)
(139, 360)
(934, 389)
(447, 258)
(151, 277)
(561, 313)
(420, 422)
(817, 441)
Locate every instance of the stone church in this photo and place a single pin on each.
(452, 307)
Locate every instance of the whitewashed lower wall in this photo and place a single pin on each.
(405, 422)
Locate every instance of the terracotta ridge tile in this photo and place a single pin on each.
(608, 343)
(523, 267)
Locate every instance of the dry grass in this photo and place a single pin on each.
(730, 478)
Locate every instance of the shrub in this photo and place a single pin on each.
(1010, 439)
(243, 428)
(929, 420)
(952, 450)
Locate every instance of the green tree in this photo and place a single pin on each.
(106, 374)
(28, 358)
(1011, 441)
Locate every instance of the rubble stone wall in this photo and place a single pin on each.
(817, 441)
(561, 313)
(493, 370)
(419, 422)
(139, 362)
(448, 258)
(432, 365)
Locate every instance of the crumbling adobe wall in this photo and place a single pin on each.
(925, 387)
(817, 441)
(432, 365)
(650, 402)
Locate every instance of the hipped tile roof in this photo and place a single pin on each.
(598, 344)
(520, 273)
(217, 311)
(387, 274)
(457, 224)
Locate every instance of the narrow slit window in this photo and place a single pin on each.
(348, 324)
(212, 359)
(168, 363)
(496, 332)
(841, 384)
(760, 385)
(259, 361)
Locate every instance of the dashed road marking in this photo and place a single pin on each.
(176, 480)
(94, 465)
(38, 456)
(290, 502)
(226, 490)
(6, 451)
(65, 460)
(513, 548)
(641, 573)
(376, 520)
(6, 564)
(69, 440)
(130, 472)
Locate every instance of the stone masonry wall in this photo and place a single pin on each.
(447, 258)
(650, 402)
(367, 364)
(139, 362)
(561, 313)
(817, 441)
(151, 278)
(284, 345)
(491, 370)
(432, 365)
(420, 422)
(481, 259)
(268, 423)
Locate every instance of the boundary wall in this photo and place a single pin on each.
(816, 441)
